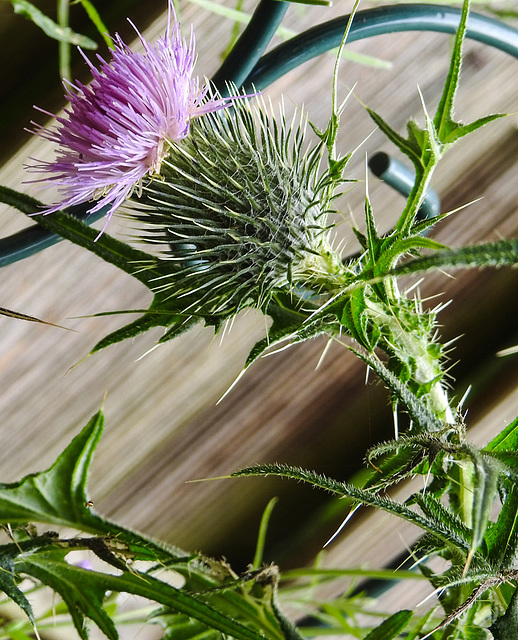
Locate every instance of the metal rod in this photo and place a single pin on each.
(251, 45)
(375, 22)
(401, 178)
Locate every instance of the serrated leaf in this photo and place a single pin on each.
(448, 130)
(285, 323)
(70, 228)
(463, 130)
(355, 318)
(7, 580)
(83, 591)
(373, 240)
(57, 495)
(422, 417)
(396, 247)
(443, 121)
(391, 627)
(96, 19)
(369, 498)
(409, 148)
(506, 440)
(493, 254)
(504, 627)
(433, 507)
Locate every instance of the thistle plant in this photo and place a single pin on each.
(235, 208)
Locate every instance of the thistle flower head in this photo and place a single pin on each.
(240, 214)
(118, 129)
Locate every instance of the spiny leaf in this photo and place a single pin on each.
(492, 254)
(432, 507)
(23, 316)
(57, 495)
(356, 320)
(463, 130)
(443, 121)
(408, 147)
(177, 626)
(448, 130)
(8, 580)
(285, 324)
(369, 498)
(506, 440)
(506, 626)
(83, 591)
(398, 247)
(417, 410)
(485, 489)
(70, 228)
(373, 240)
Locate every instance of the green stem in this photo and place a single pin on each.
(408, 345)
(416, 197)
(64, 47)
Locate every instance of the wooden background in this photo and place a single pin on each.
(163, 426)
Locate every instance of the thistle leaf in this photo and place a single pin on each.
(484, 494)
(23, 316)
(506, 440)
(8, 582)
(409, 147)
(83, 591)
(58, 495)
(368, 498)
(49, 27)
(502, 536)
(443, 121)
(448, 130)
(70, 228)
(423, 418)
(177, 626)
(493, 254)
(391, 627)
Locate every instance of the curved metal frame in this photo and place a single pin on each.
(246, 66)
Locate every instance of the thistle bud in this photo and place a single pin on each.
(240, 213)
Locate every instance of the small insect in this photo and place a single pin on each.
(89, 504)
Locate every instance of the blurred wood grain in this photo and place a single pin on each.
(164, 425)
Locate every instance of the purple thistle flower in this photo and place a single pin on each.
(118, 129)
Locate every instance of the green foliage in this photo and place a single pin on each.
(23, 316)
(391, 627)
(257, 234)
(58, 497)
(49, 27)
(177, 626)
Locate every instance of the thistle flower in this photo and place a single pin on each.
(240, 213)
(118, 129)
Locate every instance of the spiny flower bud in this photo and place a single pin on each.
(240, 213)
